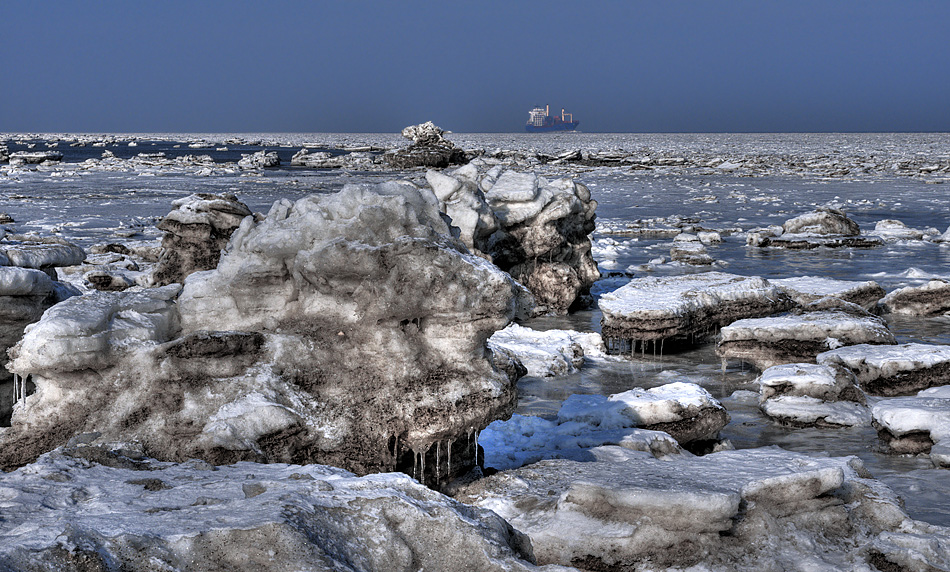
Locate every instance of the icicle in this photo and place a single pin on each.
(476, 448)
(422, 467)
(723, 366)
(415, 462)
(661, 347)
(449, 471)
(438, 451)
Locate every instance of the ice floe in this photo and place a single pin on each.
(804, 394)
(893, 370)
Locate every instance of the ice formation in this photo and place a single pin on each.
(546, 353)
(893, 370)
(428, 149)
(765, 342)
(931, 299)
(94, 507)
(689, 249)
(825, 227)
(805, 394)
(259, 160)
(807, 289)
(920, 424)
(196, 231)
(535, 229)
(654, 309)
(348, 329)
(764, 509)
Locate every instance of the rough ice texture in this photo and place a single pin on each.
(761, 509)
(807, 289)
(196, 232)
(428, 149)
(825, 227)
(684, 410)
(764, 342)
(823, 221)
(931, 299)
(346, 329)
(682, 307)
(546, 353)
(259, 160)
(912, 425)
(535, 229)
(689, 249)
(893, 370)
(40, 253)
(90, 507)
(803, 394)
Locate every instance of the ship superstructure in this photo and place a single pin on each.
(540, 120)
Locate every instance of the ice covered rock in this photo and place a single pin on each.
(91, 507)
(805, 394)
(807, 289)
(653, 309)
(684, 410)
(40, 253)
(625, 510)
(259, 160)
(893, 230)
(544, 242)
(428, 149)
(688, 248)
(931, 299)
(893, 370)
(822, 221)
(196, 231)
(825, 227)
(798, 337)
(35, 157)
(546, 353)
(347, 329)
(915, 425)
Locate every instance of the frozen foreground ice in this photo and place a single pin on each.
(364, 323)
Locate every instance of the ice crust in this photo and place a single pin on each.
(658, 308)
(805, 394)
(547, 353)
(628, 510)
(66, 512)
(807, 289)
(764, 342)
(893, 370)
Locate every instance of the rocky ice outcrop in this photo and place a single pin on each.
(760, 509)
(799, 337)
(346, 329)
(916, 425)
(893, 370)
(428, 149)
(807, 289)
(689, 249)
(28, 286)
(803, 394)
(35, 158)
(825, 227)
(259, 160)
(535, 229)
(94, 507)
(546, 353)
(196, 231)
(679, 308)
(930, 299)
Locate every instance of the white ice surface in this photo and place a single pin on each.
(547, 353)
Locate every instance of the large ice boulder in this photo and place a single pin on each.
(547, 353)
(91, 507)
(196, 231)
(824, 227)
(533, 228)
(259, 160)
(345, 329)
(678, 308)
(759, 509)
(428, 149)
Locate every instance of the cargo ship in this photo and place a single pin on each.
(540, 121)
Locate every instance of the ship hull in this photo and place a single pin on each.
(565, 126)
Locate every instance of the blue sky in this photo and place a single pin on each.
(638, 66)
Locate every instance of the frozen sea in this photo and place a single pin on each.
(725, 183)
